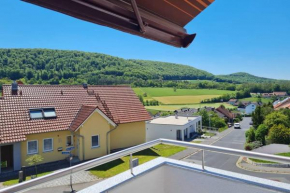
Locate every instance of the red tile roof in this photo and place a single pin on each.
(82, 115)
(225, 112)
(119, 103)
(283, 104)
(280, 93)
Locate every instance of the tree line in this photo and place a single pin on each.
(44, 66)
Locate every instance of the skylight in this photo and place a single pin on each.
(36, 114)
(42, 113)
(49, 113)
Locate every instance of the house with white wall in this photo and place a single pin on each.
(173, 127)
(249, 108)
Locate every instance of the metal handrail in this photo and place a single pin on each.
(105, 159)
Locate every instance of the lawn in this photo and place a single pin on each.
(223, 129)
(161, 92)
(176, 107)
(169, 100)
(196, 141)
(255, 99)
(120, 165)
(15, 181)
(287, 154)
(152, 111)
(209, 134)
(261, 161)
(284, 154)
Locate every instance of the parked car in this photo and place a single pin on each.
(251, 123)
(237, 126)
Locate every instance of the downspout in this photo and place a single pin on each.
(108, 151)
(83, 142)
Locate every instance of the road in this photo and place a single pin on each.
(236, 140)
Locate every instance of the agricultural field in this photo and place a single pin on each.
(180, 96)
(171, 99)
(167, 100)
(161, 92)
(176, 107)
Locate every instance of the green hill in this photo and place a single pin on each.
(242, 77)
(44, 66)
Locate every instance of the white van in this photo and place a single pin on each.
(237, 126)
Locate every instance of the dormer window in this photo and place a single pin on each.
(42, 113)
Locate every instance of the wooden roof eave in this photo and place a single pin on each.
(121, 17)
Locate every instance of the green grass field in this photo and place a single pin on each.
(120, 165)
(161, 92)
(198, 81)
(255, 99)
(168, 96)
(176, 107)
(167, 100)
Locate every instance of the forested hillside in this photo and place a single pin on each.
(43, 66)
(242, 77)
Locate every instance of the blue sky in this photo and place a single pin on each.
(232, 36)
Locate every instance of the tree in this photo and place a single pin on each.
(147, 103)
(141, 99)
(261, 133)
(218, 122)
(257, 117)
(29, 74)
(250, 135)
(205, 117)
(259, 100)
(34, 160)
(276, 118)
(279, 134)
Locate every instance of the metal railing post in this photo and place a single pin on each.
(131, 163)
(202, 159)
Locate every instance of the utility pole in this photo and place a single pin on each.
(68, 152)
(209, 120)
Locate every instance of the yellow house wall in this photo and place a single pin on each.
(128, 134)
(59, 140)
(125, 135)
(95, 125)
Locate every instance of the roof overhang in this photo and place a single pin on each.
(159, 20)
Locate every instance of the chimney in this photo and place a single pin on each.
(85, 85)
(14, 88)
(176, 116)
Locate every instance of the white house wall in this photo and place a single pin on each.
(156, 131)
(250, 109)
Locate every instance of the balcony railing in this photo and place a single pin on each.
(105, 159)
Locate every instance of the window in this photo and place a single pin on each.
(95, 141)
(32, 147)
(42, 113)
(35, 113)
(69, 140)
(47, 145)
(49, 113)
